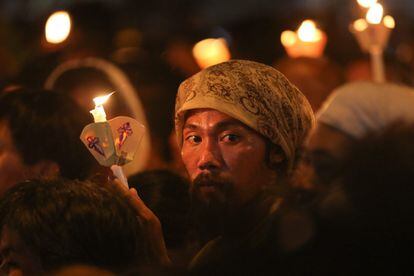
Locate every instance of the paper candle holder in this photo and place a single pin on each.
(113, 142)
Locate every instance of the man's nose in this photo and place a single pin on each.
(209, 155)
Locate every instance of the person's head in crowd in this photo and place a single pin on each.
(348, 114)
(157, 85)
(39, 137)
(83, 84)
(374, 231)
(46, 225)
(378, 178)
(166, 194)
(240, 126)
(316, 78)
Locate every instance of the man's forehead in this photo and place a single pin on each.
(212, 117)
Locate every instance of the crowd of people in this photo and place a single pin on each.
(293, 167)
(270, 185)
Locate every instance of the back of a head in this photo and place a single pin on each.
(45, 125)
(357, 108)
(70, 222)
(376, 229)
(378, 178)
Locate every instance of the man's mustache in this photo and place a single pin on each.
(207, 180)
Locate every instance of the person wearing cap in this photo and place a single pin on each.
(240, 126)
(352, 111)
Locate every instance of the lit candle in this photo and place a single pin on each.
(372, 34)
(211, 51)
(113, 143)
(308, 40)
(98, 112)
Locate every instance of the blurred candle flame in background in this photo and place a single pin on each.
(58, 27)
(307, 41)
(366, 3)
(211, 51)
(375, 13)
(308, 31)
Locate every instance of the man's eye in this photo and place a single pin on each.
(232, 138)
(193, 139)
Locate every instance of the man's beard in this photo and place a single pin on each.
(211, 204)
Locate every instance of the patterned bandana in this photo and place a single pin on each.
(253, 93)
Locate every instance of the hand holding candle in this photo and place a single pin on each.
(113, 143)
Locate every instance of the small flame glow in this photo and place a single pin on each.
(375, 13)
(102, 99)
(288, 38)
(389, 22)
(360, 25)
(57, 27)
(366, 3)
(211, 51)
(308, 32)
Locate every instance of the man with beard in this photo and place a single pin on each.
(240, 125)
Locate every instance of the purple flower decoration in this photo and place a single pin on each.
(124, 131)
(93, 143)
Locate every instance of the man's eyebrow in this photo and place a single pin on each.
(225, 124)
(229, 124)
(190, 126)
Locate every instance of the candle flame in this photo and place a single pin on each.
(389, 22)
(374, 14)
(102, 99)
(211, 51)
(308, 32)
(57, 27)
(366, 3)
(360, 25)
(288, 38)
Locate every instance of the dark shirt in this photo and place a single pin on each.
(248, 246)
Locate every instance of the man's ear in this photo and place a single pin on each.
(276, 156)
(46, 169)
